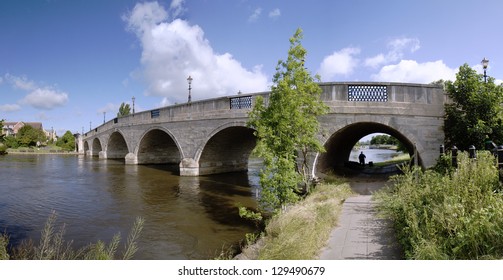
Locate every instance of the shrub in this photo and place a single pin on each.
(458, 215)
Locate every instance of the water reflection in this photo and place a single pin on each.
(185, 217)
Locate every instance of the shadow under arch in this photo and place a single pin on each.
(227, 149)
(97, 147)
(339, 145)
(117, 147)
(158, 146)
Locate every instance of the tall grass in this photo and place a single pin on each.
(452, 214)
(52, 245)
(303, 229)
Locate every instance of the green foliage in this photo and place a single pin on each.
(4, 241)
(303, 229)
(28, 136)
(11, 142)
(52, 245)
(66, 142)
(454, 215)
(286, 127)
(383, 139)
(475, 114)
(1, 127)
(124, 110)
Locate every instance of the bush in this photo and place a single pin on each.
(11, 142)
(458, 215)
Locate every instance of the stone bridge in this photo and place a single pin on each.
(211, 136)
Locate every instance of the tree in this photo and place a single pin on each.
(475, 114)
(1, 127)
(29, 136)
(124, 110)
(286, 128)
(67, 141)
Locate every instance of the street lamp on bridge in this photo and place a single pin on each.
(485, 63)
(189, 79)
(133, 103)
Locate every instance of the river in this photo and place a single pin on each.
(185, 217)
(374, 155)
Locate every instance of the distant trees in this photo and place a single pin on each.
(383, 139)
(124, 110)
(475, 114)
(66, 142)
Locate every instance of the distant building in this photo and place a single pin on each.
(12, 128)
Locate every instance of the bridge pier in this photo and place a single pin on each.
(131, 158)
(102, 155)
(189, 167)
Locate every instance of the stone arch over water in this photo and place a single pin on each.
(227, 149)
(339, 144)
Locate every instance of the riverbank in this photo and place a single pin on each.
(302, 230)
(28, 151)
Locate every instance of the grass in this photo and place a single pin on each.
(301, 231)
(395, 160)
(448, 213)
(52, 246)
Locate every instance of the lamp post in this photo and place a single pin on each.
(189, 79)
(485, 63)
(133, 103)
(104, 115)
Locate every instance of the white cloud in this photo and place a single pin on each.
(177, 8)
(46, 99)
(396, 50)
(275, 13)
(174, 50)
(6, 108)
(20, 82)
(255, 15)
(409, 71)
(339, 63)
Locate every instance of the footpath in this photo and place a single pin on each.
(360, 234)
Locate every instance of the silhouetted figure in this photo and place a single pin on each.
(362, 157)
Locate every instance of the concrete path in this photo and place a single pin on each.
(361, 235)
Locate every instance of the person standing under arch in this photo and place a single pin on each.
(362, 157)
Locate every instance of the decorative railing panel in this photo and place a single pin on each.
(242, 102)
(368, 93)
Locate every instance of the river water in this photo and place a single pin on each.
(185, 217)
(374, 155)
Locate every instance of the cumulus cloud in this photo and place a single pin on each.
(409, 71)
(255, 15)
(275, 13)
(20, 82)
(174, 50)
(45, 99)
(339, 63)
(396, 50)
(6, 108)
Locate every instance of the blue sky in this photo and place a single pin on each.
(66, 62)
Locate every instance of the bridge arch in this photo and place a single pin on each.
(86, 147)
(97, 147)
(158, 146)
(117, 147)
(340, 142)
(227, 149)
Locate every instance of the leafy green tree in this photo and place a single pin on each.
(11, 142)
(67, 141)
(475, 113)
(286, 128)
(29, 136)
(124, 110)
(1, 127)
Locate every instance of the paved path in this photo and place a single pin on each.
(360, 234)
